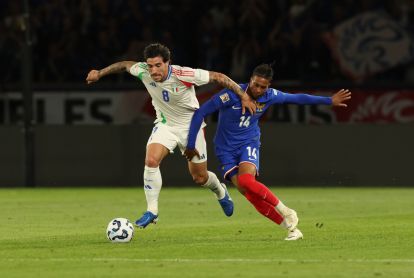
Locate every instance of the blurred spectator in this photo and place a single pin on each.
(224, 35)
(245, 56)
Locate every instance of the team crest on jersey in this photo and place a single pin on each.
(260, 106)
(224, 97)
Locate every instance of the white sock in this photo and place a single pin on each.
(282, 209)
(152, 187)
(284, 224)
(214, 185)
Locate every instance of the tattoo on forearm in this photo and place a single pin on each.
(226, 82)
(115, 68)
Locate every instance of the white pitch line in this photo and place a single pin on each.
(233, 260)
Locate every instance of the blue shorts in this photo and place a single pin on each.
(229, 161)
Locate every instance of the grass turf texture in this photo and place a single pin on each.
(364, 232)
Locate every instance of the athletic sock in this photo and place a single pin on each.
(152, 187)
(284, 225)
(214, 185)
(249, 183)
(264, 208)
(282, 209)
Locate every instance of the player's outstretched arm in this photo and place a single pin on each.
(340, 97)
(337, 99)
(227, 82)
(95, 75)
(206, 109)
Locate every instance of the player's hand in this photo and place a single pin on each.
(340, 97)
(247, 102)
(189, 154)
(93, 76)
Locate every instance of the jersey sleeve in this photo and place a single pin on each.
(207, 108)
(138, 69)
(224, 98)
(221, 99)
(194, 76)
(280, 97)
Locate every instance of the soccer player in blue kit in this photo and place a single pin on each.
(237, 141)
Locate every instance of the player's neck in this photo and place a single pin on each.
(249, 92)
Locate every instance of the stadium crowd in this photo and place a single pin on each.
(70, 37)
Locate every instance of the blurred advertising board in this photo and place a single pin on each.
(128, 107)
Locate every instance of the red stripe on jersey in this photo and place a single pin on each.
(180, 72)
(189, 73)
(183, 70)
(187, 84)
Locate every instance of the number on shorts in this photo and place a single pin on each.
(251, 152)
(165, 96)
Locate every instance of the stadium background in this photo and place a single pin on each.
(96, 135)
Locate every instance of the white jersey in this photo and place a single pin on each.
(174, 99)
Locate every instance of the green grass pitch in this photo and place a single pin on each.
(366, 232)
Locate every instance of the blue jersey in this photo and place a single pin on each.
(235, 129)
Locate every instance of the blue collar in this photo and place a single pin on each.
(169, 72)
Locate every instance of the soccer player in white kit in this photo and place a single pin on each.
(173, 96)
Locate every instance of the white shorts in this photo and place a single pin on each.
(171, 137)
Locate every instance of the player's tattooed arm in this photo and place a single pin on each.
(95, 75)
(225, 81)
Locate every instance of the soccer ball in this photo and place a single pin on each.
(120, 230)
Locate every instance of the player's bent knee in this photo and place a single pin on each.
(152, 162)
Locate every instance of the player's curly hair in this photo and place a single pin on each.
(156, 49)
(264, 70)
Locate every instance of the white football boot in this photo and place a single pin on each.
(294, 234)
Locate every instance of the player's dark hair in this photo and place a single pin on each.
(156, 49)
(264, 70)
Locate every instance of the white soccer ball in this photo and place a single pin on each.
(120, 230)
